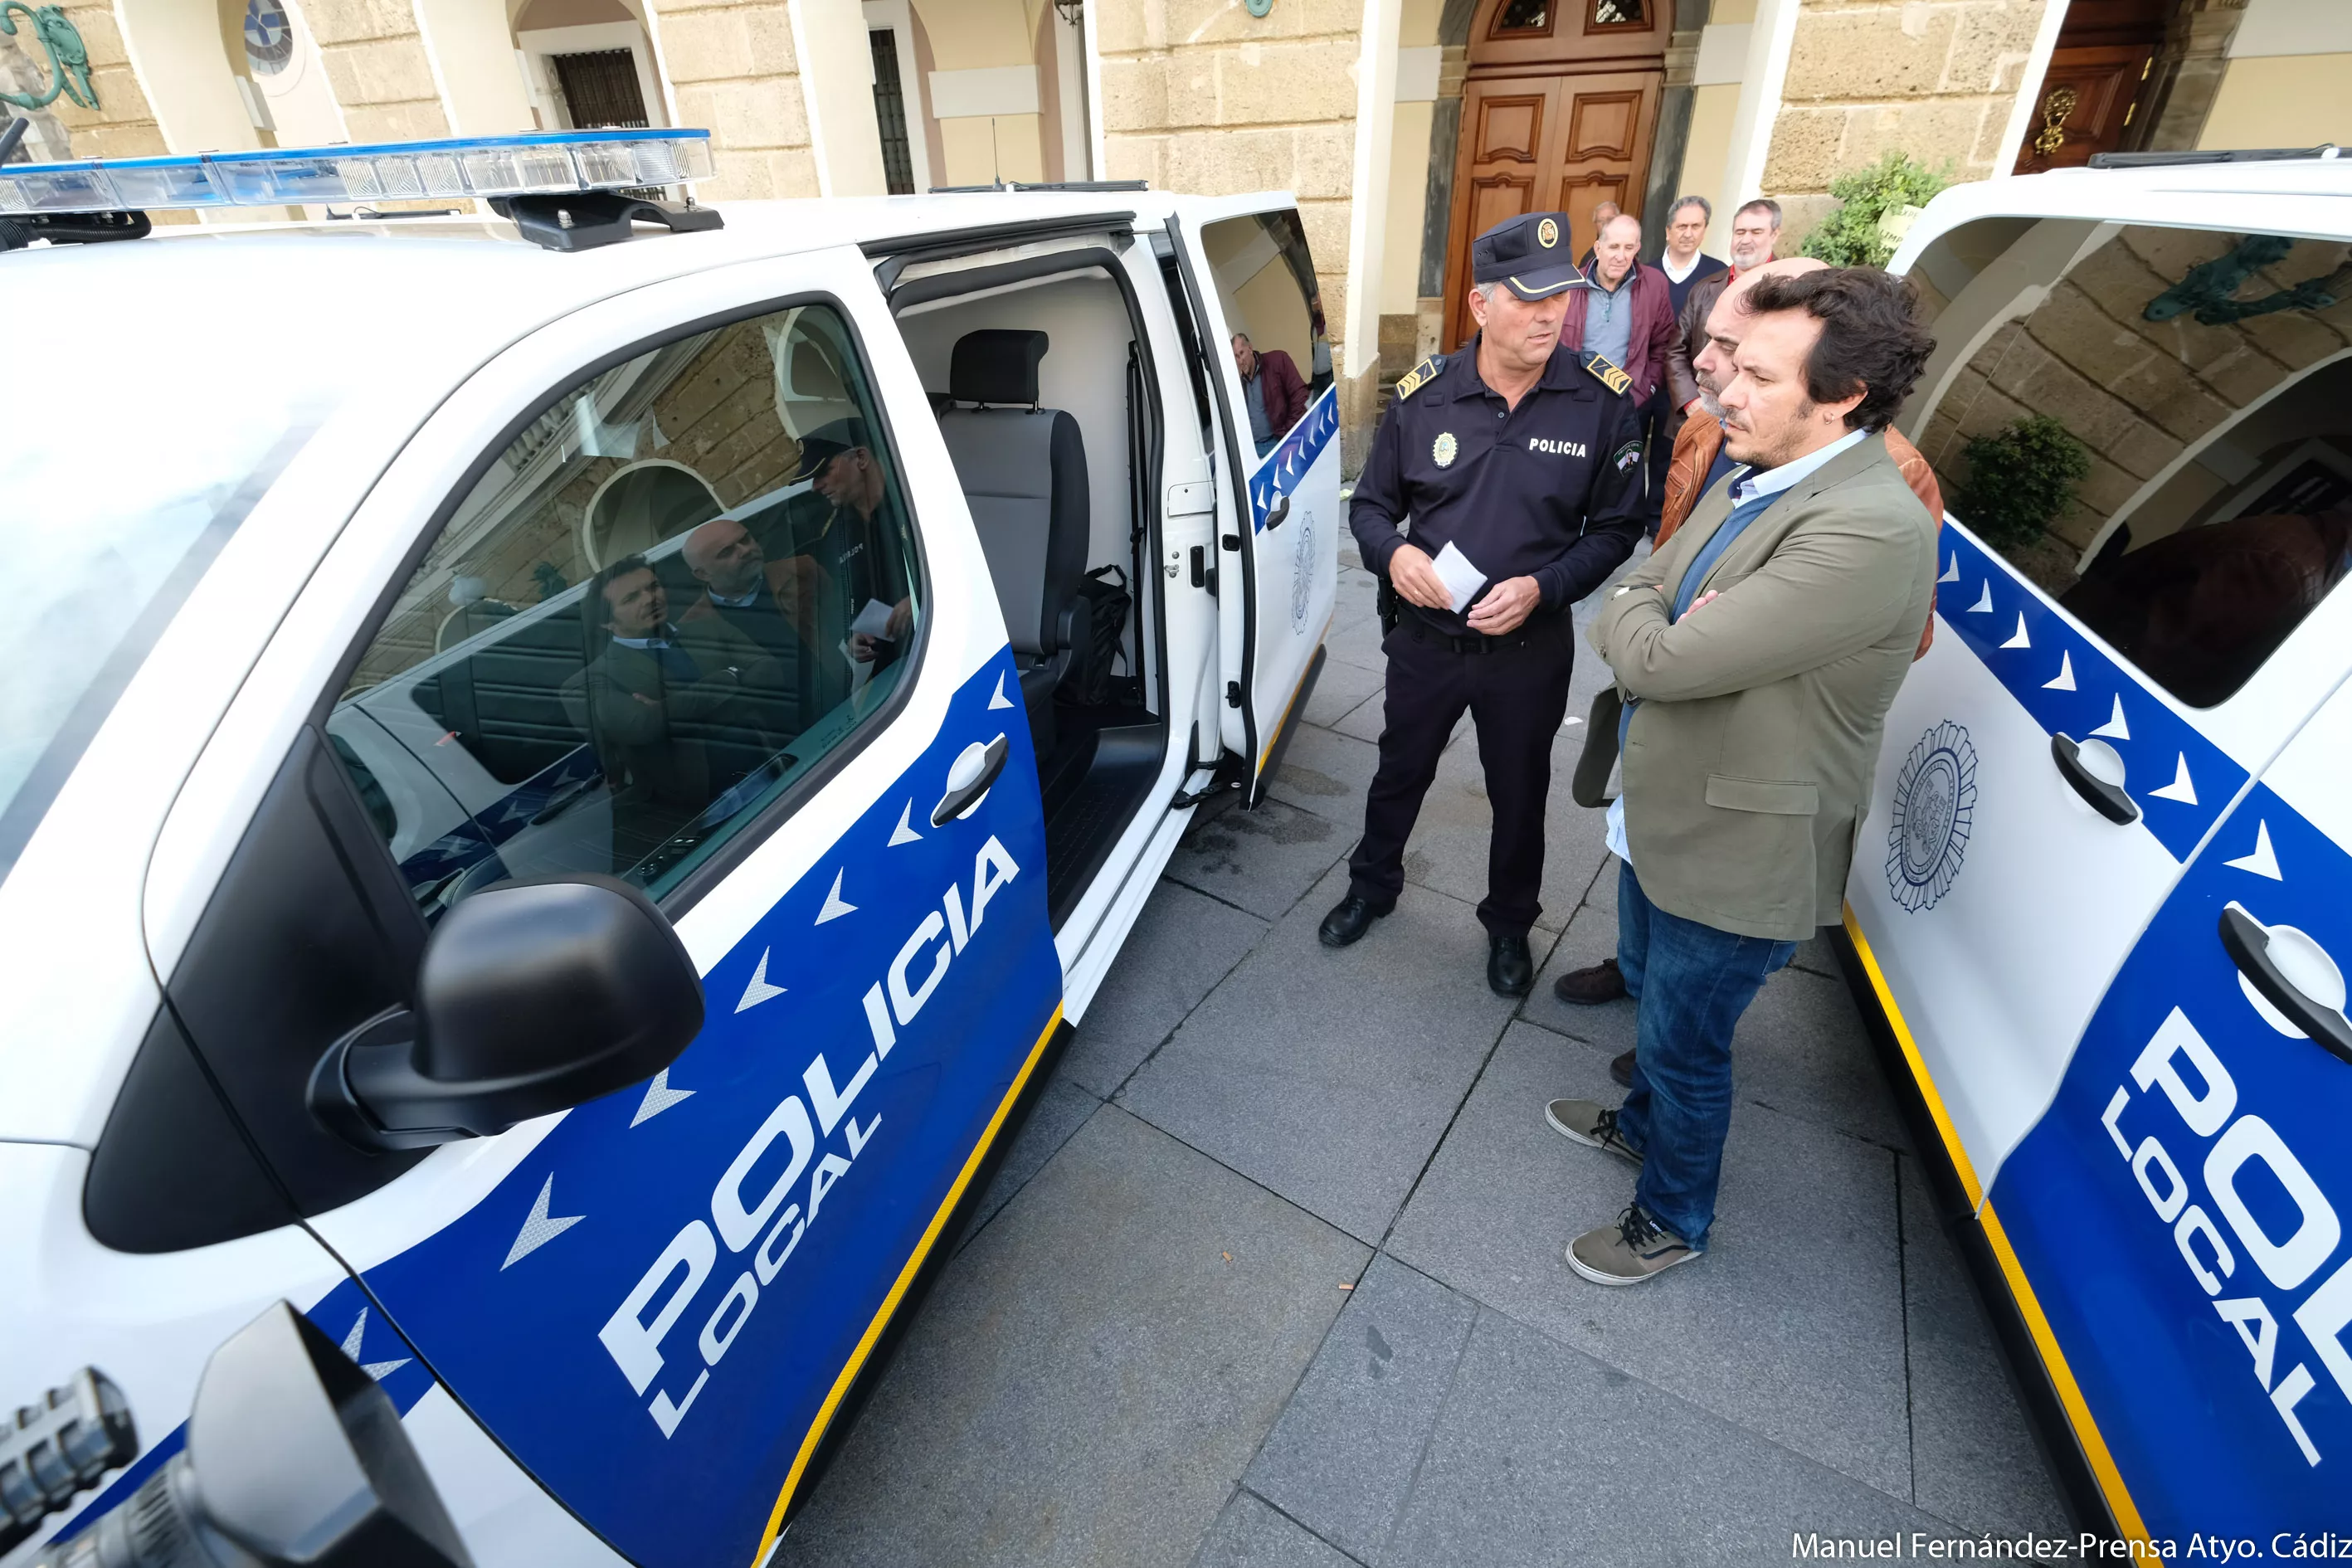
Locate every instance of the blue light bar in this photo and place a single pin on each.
(546, 162)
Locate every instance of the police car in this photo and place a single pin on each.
(567, 772)
(2103, 897)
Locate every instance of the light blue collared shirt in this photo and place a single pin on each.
(1746, 484)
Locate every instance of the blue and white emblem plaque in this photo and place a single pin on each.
(1935, 798)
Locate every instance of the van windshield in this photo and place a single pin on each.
(112, 518)
(2153, 424)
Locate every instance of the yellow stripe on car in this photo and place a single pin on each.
(2062, 1376)
(2029, 1306)
(1275, 738)
(1959, 1157)
(898, 1291)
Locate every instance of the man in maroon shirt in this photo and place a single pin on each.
(1624, 316)
(1271, 390)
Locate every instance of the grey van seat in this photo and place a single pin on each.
(1023, 472)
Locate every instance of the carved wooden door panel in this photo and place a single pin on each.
(2088, 98)
(1558, 113)
(1557, 141)
(1507, 128)
(1603, 151)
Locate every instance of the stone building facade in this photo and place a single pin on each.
(1370, 111)
(1938, 80)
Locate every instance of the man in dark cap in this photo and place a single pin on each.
(852, 556)
(1518, 464)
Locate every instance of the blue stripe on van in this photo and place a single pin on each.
(1289, 462)
(2175, 1219)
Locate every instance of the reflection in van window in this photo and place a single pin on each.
(1264, 279)
(670, 595)
(2205, 378)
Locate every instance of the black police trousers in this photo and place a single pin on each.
(1517, 697)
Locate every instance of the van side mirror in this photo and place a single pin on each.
(294, 1456)
(532, 998)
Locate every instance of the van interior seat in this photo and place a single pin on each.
(504, 702)
(1023, 472)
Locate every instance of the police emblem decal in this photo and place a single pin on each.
(1934, 803)
(1548, 233)
(1302, 572)
(1442, 450)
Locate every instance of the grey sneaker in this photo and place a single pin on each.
(1589, 1122)
(1635, 1248)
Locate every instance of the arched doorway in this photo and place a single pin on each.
(639, 506)
(1558, 110)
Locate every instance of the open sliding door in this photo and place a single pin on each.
(1252, 279)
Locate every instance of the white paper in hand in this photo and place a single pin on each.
(874, 620)
(1461, 579)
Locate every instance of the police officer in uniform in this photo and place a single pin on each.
(1527, 458)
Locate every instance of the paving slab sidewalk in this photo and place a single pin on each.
(1272, 1278)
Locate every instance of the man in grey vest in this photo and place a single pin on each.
(1756, 655)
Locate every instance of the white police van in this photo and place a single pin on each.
(445, 639)
(2103, 897)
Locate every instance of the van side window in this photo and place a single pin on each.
(2200, 381)
(1265, 278)
(675, 591)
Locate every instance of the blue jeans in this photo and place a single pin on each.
(1692, 983)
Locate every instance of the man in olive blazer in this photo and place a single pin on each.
(1756, 654)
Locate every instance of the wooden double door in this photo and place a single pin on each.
(1558, 112)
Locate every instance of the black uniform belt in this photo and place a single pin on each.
(1531, 631)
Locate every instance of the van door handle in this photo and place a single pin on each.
(2107, 799)
(2248, 942)
(1203, 575)
(969, 777)
(1275, 515)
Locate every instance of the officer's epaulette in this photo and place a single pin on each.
(1420, 375)
(1608, 374)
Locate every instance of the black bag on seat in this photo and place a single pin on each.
(1088, 682)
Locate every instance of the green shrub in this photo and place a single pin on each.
(2020, 479)
(1849, 236)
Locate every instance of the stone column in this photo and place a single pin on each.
(1437, 215)
(1757, 123)
(473, 51)
(1359, 352)
(1200, 97)
(1672, 136)
(838, 87)
(1859, 81)
(375, 60)
(2187, 76)
(733, 67)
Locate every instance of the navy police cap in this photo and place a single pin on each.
(1529, 253)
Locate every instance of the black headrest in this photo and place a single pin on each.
(996, 365)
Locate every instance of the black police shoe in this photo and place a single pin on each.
(1509, 968)
(1350, 919)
